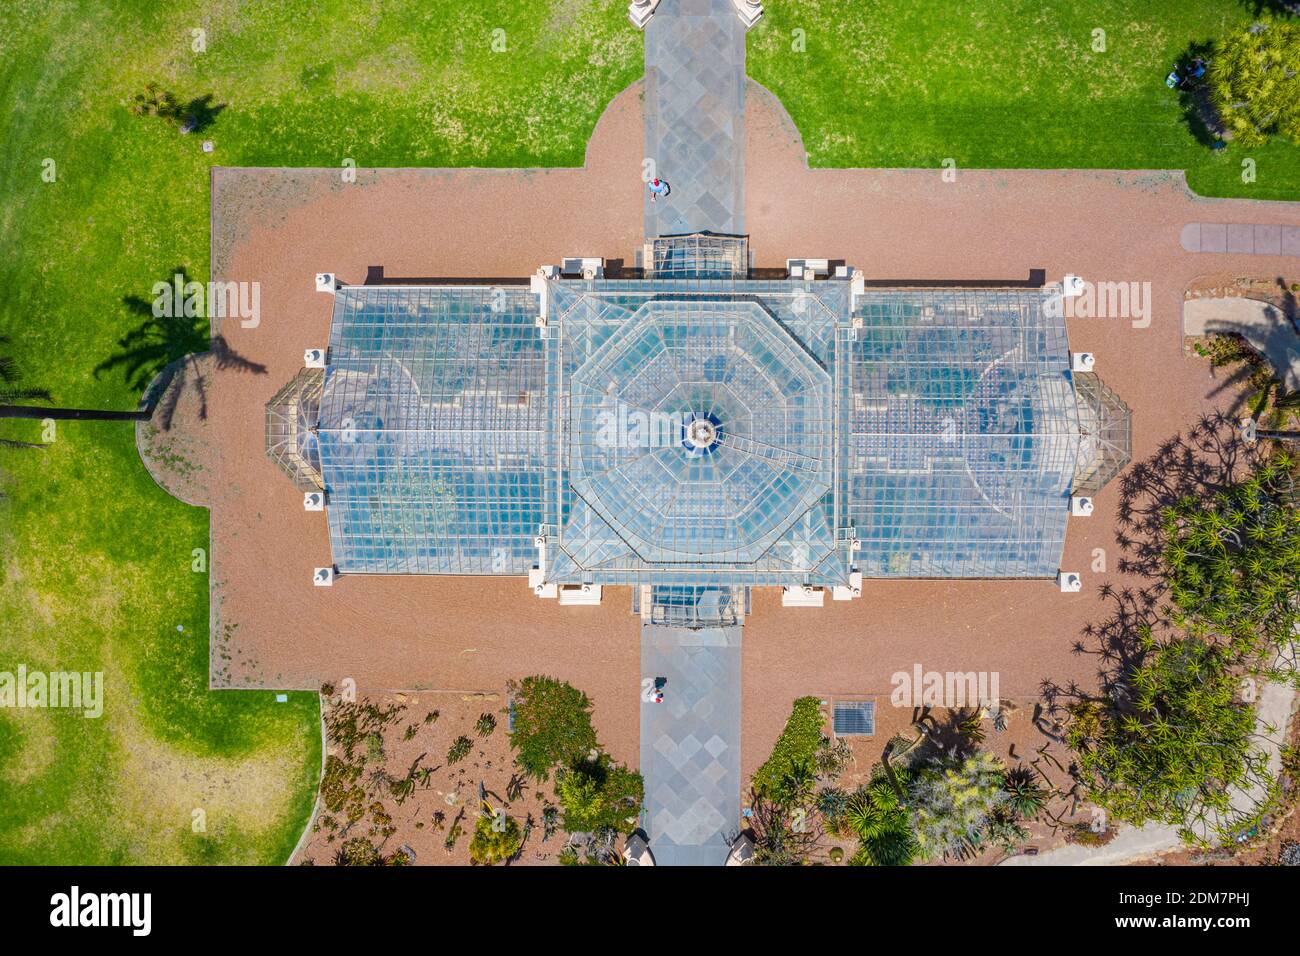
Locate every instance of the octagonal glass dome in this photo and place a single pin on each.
(701, 431)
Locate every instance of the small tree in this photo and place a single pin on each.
(599, 795)
(957, 803)
(1173, 742)
(779, 840)
(883, 824)
(1255, 82)
(1233, 564)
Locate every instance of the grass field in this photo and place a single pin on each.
(94, 558)
(1015, 83)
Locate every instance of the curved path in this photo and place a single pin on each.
(1268, 329)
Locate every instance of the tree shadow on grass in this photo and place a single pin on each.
(13, 391)
(160, 356)
(1260, 8)
(1199, 114)
(200, 113)
(11, 387)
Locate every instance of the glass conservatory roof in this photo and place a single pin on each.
(432, 430)
(700, 431)
(688, 431)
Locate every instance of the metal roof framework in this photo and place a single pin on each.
(291, 416)
(1106, 433)
(701, 432)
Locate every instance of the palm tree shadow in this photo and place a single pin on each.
(1235, 384)
(1198, 465)
(164, 354)
(201, 112)
(1289, 305)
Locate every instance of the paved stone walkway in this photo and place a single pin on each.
(1260, 240)
(690, 743)
(695, 117)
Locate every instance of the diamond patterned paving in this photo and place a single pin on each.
(694, 116)
(690, 754)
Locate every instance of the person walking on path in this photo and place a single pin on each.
(658, 187)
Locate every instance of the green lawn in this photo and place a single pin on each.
(94, 558)
(1013, 83)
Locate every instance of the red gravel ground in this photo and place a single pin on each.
(449, 790)
(279, 227)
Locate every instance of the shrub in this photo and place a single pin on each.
(957, 804)
(1027, 796)
(1225, 349)
(485, 724)
(831, 803)
(357, 851)
(338, 785)
(552, 725)
(832, 757)
(1084, 835)
(789, 773)
(495, 843)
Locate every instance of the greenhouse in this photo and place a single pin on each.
(704, 429)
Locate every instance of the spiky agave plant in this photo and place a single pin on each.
(459, 749)
(1028, 797)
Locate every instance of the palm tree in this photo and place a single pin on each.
(881, 821)
(12, 394)
(1255, 82)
